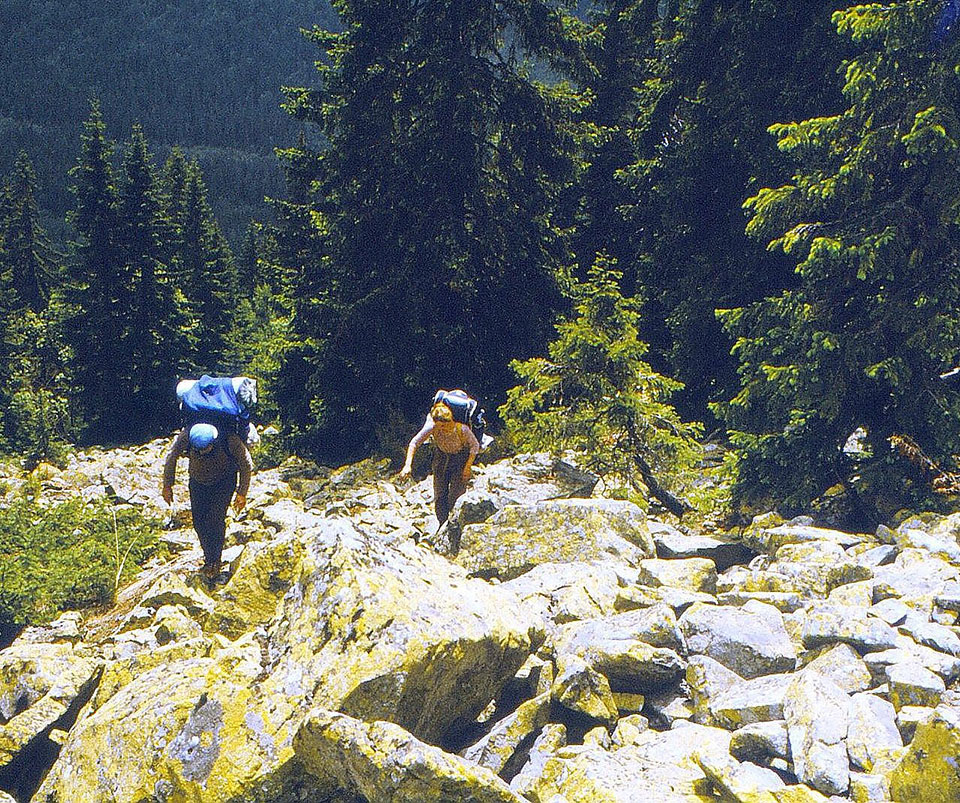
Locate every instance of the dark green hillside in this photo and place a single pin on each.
(205, 75)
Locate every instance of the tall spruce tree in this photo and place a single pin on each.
(434, 245)
(158, 341)
(870, 219)
(27, 259)
(34, 412)
(208, 276)
(712, 75)
(101, 291)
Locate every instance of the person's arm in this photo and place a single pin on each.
(415, 442)
(177, 449)
(244, 460)
(474, 445)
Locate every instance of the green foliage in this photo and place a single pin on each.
(66, 556)
(870, 218)
(34, 413)
(37, 421)
(152, 275)
(203, 74)
(421, 233)
(596, 394)
(708, 78)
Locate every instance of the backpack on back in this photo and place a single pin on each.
(465, 411)
(225, 402)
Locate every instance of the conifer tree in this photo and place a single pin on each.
(870, 220)
(208, 275)
(34, 411)
(101, 289)
(27, 260)
(158, 341)
(596, 393)
(713, 74)
(432, 201)
(173, 194)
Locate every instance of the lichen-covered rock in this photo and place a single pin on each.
(265, 572)
(815, 709)
(929, 634)
(756, 700)
(172, 589)
(520, 537)
(868, 788)
(832, 624)
(615, 647)
(945, 666)
(197, 733)
(872, 733)
(580, 688)
(393, 632)
(706, 680)
(912, 684)
(658, 767)
(121, 669)
(692, 574)
(364, 627)
(929, 770)
(66, 628)
(750, 641)
(844, 666)
(551, 739)
(523, 480)
(499, 746)
(916, 578)
(554, 593)
(741, 782)
(38, 684)
(630, 730)
(671, 543)
(768, 536)
(385, 764)
(761, 741)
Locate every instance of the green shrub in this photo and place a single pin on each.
(66, 556)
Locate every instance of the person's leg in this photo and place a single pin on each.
(457, 485)
(217, 524)
(201, 499)
(441, 485)
(209, 504)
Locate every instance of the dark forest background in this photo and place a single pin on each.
(202, 75)
(626, 226)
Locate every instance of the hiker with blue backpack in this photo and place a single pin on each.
(220, 463)
(448, 424)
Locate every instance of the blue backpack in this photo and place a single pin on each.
(225, 402)
(465, 410)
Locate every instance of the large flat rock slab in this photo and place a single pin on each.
(520, 537)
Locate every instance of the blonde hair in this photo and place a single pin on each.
(441, 412)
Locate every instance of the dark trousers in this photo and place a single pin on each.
(448, 484)
(208, 504)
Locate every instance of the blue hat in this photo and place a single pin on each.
(202, 435)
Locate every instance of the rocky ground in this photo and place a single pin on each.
(549, 646)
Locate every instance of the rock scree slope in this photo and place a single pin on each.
(549, 645)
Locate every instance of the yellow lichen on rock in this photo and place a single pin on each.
(930, 769)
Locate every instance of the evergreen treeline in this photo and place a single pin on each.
(206, 75)
(739, 212)
(148, 291)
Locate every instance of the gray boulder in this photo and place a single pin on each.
(750, 641)
(815, 710)
(872, 733)
(385, 764)
(520, 537)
